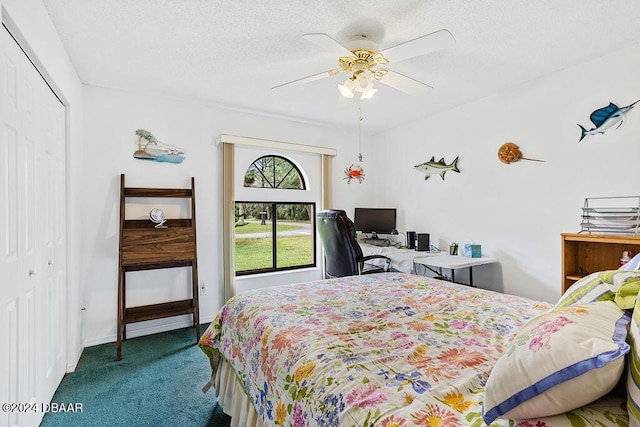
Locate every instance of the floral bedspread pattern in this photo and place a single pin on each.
(389, 349)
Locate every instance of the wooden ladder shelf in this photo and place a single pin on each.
(144, 247)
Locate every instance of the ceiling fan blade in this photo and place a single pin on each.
(438, 40)
(404, 83)
(328, 44)
(308, 79)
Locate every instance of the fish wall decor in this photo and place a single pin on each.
(440, 167)
(606, 117)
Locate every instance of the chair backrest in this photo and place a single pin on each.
(341, 249)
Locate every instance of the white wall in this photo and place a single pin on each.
(30, 24)
(111, 119)
(517, 211)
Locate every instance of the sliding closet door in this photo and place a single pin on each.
(32, 227)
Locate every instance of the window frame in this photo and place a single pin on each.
(276, 185)
(274, 238)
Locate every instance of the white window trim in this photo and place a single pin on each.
(277, 145)
(228, 193)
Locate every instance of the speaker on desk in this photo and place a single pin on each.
(422, 242)
(411, 239)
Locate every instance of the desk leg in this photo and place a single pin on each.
(453, 277)
(471, 277)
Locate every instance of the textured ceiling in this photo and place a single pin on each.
(232, 53)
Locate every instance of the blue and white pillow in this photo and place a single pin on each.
(559, 361)
(633, 370)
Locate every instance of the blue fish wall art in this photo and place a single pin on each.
(606, 117)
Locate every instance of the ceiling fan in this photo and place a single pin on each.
(365, 63)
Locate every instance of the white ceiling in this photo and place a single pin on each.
(231, 52)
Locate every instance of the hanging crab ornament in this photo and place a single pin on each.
(354, 172)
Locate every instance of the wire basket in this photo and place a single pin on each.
(614, 215)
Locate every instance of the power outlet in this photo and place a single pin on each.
(203, 287)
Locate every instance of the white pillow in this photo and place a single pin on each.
(559, 361)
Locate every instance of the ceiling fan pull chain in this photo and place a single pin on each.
(360, 130)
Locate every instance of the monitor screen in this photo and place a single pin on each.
(375, 220)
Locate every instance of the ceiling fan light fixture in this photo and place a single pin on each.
(364, 62)
(344, 91)
(362, 82)
(368, 94)
(347, 88)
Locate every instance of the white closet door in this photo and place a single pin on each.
(29, 168)
(12, 240)
(32, 194)
(51, 235)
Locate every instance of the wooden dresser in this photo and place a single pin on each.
(587, 253)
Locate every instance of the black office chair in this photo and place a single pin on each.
(343, 255)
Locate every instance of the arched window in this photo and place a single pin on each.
(274, 235)
(274, 172)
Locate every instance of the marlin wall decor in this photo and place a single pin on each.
(606, 117)
(440, 167)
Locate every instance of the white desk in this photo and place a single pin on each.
(401, 259)
(452, 262)
(405, 260)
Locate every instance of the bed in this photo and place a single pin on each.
(399, 350)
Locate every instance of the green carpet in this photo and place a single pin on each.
(157, 383)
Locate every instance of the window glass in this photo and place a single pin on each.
(274, 172)
(253, 236)
(271, 236)
(295, 242)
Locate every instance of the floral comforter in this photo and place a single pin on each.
(387, 349)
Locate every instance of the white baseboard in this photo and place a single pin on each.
(72, 363)
(140, 329)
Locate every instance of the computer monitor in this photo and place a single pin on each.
(375, 220)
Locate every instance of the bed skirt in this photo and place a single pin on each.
(233, 399)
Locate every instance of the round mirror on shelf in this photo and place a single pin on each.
(157, 216)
